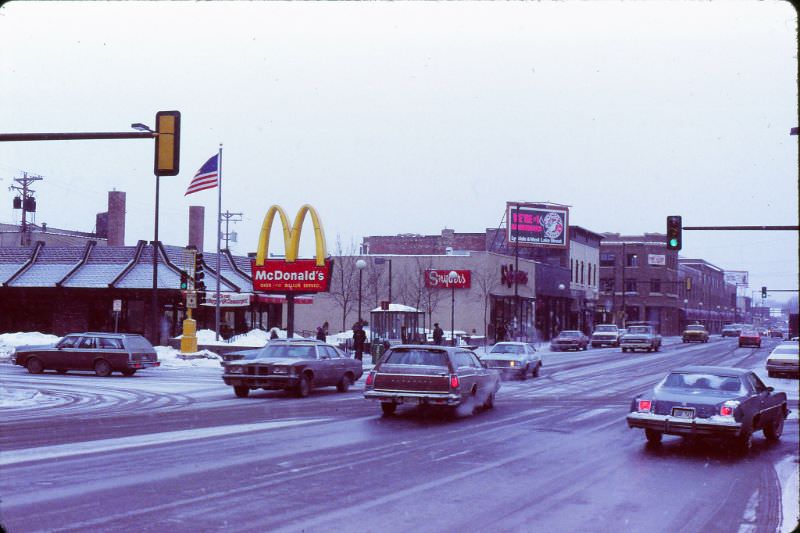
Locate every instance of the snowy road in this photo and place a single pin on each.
(173, 449)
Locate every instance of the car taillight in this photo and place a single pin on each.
(370, 378)
(454, 383)
(727, 408)
(645, 405)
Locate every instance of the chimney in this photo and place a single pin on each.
(116, 218)
(197, 217)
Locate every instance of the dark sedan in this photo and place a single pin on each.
(431, 375)
(709, 401)
(297, 366)
(569, 340)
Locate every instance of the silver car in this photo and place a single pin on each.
(517, 359)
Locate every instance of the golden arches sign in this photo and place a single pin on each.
(291, 275)
(291, 235)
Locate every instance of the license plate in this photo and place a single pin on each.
(681, 412)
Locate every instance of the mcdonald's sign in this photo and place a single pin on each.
(291, 275)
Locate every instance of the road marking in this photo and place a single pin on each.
(107, 445)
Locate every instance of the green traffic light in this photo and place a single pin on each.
(673, 242)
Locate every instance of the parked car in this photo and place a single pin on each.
(569, 340)
(516, 359)
(641, 338)
(731, 330)
(749, 337)
(708, 401)
(296, 365)
(102, 352)
(776, 333)
(431, 375)
(784, 359)
(605, 335)
(695, 333)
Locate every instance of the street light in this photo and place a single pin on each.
(154, 295)
(685, 311)
(360, 264)
(452, 277)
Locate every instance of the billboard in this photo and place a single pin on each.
(440, 279)
(537, 225)
(737, 277)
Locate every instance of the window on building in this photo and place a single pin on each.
(607, 259)
(582, 272)
(631, 260)
(571, 270)
(630, 285)
(655, 285)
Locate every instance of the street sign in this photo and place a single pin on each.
(191, 300)
(116, 306)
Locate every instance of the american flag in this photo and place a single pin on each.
(206, 177)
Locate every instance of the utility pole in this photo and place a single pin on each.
(26, 202)
(229, 217)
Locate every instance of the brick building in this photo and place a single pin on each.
(704, 294)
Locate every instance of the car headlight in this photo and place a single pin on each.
(235, 369)
(512, 363)
(280, 369)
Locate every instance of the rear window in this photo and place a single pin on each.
(570, 333)
(138, 343)
(416, 357)
(696, 328)
(699, 382)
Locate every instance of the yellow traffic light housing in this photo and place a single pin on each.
(168, 143)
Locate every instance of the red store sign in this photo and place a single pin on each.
(440, 279)
(302, 275)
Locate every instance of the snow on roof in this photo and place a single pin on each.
(397, 307)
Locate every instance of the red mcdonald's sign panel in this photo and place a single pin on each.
(303, 276)
(440, 279)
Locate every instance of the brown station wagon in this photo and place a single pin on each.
(102, 352)
(431, 375)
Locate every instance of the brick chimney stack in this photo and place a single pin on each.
(197, 217)
(116, 218)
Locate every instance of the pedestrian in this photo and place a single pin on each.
(501, 332)
(273, 334)
(359, 338)
(322, 332)
(438, 334)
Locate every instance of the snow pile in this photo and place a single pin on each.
(173, 358)
(10, 341)
(20, 398)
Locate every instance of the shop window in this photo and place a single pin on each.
(607, 260)
(631, 260)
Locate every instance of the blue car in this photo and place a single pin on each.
(710, 401)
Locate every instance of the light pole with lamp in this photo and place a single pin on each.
(685, 312)
(156, 335)
(452, 277)
(360, 265)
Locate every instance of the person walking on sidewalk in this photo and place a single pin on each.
(322, 332)
(359, 339)
(438, 334)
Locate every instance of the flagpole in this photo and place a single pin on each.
(219, 237)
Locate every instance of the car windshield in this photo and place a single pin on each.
(639, 329)
(612, 329)
(695, 328)
(287, 350)
(507, 348)
(416, 357)
(702, 381)
(570, 334)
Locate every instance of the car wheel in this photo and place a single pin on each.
(536, 371)
(102, 368)
(774, 431)
(388, 408)
(489, 403)
(344, 383)
(34, 366)
(524, 374)
(129, 372)
(304, 387)
(652, 436)
(743, 443)
(624, 350)
(241, 391)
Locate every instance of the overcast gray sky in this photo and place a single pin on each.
(411, 117)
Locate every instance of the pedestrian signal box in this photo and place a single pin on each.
(674, 231)
(763, 292)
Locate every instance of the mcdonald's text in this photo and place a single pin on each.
(302, 275)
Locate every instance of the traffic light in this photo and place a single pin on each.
(168, 143)
(674, 231)
(199, 284)
(763, 292)
(184, 280)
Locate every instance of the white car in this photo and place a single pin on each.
(513, 358)
(784, 359)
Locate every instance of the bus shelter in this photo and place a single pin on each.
(399, 324)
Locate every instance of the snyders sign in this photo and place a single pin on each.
(509, 276)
